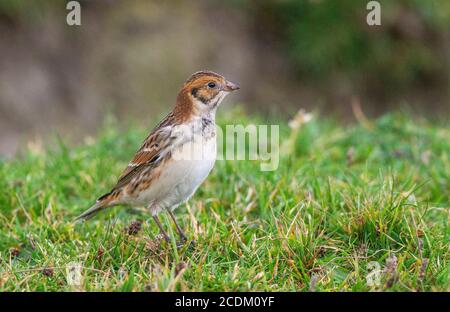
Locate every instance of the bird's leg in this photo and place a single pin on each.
(163, 232)
(180, 231)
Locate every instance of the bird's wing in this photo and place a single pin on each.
(155, 147)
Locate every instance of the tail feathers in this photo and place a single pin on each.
(102, 203)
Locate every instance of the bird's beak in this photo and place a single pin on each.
(230, 86)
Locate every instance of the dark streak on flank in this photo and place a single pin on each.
(205, 123)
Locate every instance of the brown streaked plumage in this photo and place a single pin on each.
(157, 176)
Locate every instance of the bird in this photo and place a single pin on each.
(177, 155)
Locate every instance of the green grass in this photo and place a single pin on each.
(342, 197)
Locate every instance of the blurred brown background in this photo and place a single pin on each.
(129, 58)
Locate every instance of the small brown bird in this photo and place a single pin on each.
(177, 155)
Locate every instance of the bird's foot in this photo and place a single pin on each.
(183, 242)
(162, 236)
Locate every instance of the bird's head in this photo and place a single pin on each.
(204, 91)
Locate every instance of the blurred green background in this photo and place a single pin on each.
(129, 58)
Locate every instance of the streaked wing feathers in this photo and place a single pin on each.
(155, 146)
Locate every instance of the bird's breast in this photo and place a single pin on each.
(188, 167)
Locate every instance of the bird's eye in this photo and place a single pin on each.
(211, 85)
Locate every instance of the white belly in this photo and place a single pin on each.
(181, 175)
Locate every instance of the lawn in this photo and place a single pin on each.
(357, 207)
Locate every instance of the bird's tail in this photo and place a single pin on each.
(103, 202)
